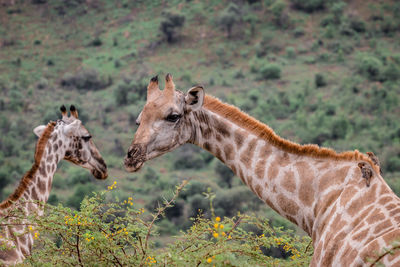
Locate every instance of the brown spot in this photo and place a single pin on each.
(265, 151)
(55, 146)
(365, 200)
(288, 181)
(49, 181)
(386, 199)
(34, 193)
(218, 154)
(222, 128)
(260, 169)
(375, 217)
(272, 172)
(228, 149)
(351, 254)
(239, 137)
(207, 146)
(287, 205)
(247, 155)
(59, 143)
(269, 203)
(48, 168)
(331, 249)
(206, 132)
(306, 191)
(390, 206)
(283, 159)
(347, 194)
(385, 225)
(42, 185)
(49, 149)
(50, 158)
(218, 137)
(259, 191)
(394, 212)
(333, 177)
(42, 170)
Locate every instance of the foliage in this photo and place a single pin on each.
(370, 66)
(230, 16)
(269, 71)
(309, 6)
(87, 79)
(170, 25)
(116, 232)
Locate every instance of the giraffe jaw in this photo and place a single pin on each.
(133, 167)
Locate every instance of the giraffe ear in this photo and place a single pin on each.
(39, 130)
(194, 98)
(72, 127)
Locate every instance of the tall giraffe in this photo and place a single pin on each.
(318, 189)
(65, 139)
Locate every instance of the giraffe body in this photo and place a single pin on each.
(64, 139)
(318, 189)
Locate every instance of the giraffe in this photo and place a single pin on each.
(65, 139)
(318, 189)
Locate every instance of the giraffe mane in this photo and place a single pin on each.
(27, 178)
(263, 131)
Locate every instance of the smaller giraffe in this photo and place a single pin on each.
(65, 139)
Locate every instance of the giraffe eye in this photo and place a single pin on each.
(173, 117)
(86, 138)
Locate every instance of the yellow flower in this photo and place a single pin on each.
(218, 219)
(209, 260)
(215, 234)
(216, 225)
(221, 226)
(223, 234)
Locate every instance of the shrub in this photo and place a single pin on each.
(320, 80)
(230, 16)
(170, 25)
(369, 66)
(269, 71)
(290, 52)
(309, 6)
(130, 91)
(391, 72)
(87, 79)
(109, 232)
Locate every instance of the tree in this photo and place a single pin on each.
(230, 16)
(170, 25)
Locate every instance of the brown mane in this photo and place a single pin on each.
(26, 180)
(265, 132)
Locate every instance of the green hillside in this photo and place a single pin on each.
(323, 72)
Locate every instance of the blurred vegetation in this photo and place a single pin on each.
(324, 72)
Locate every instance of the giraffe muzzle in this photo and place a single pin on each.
(135, 158)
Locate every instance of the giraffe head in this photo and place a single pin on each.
(164, 122)
(75, 143)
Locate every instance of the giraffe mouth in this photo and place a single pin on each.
(135, 158)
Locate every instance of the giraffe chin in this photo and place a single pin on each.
(129, 167)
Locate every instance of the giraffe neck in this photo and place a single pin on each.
(289, 183)
(33, 191)
(39, 189)
(321, 191)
